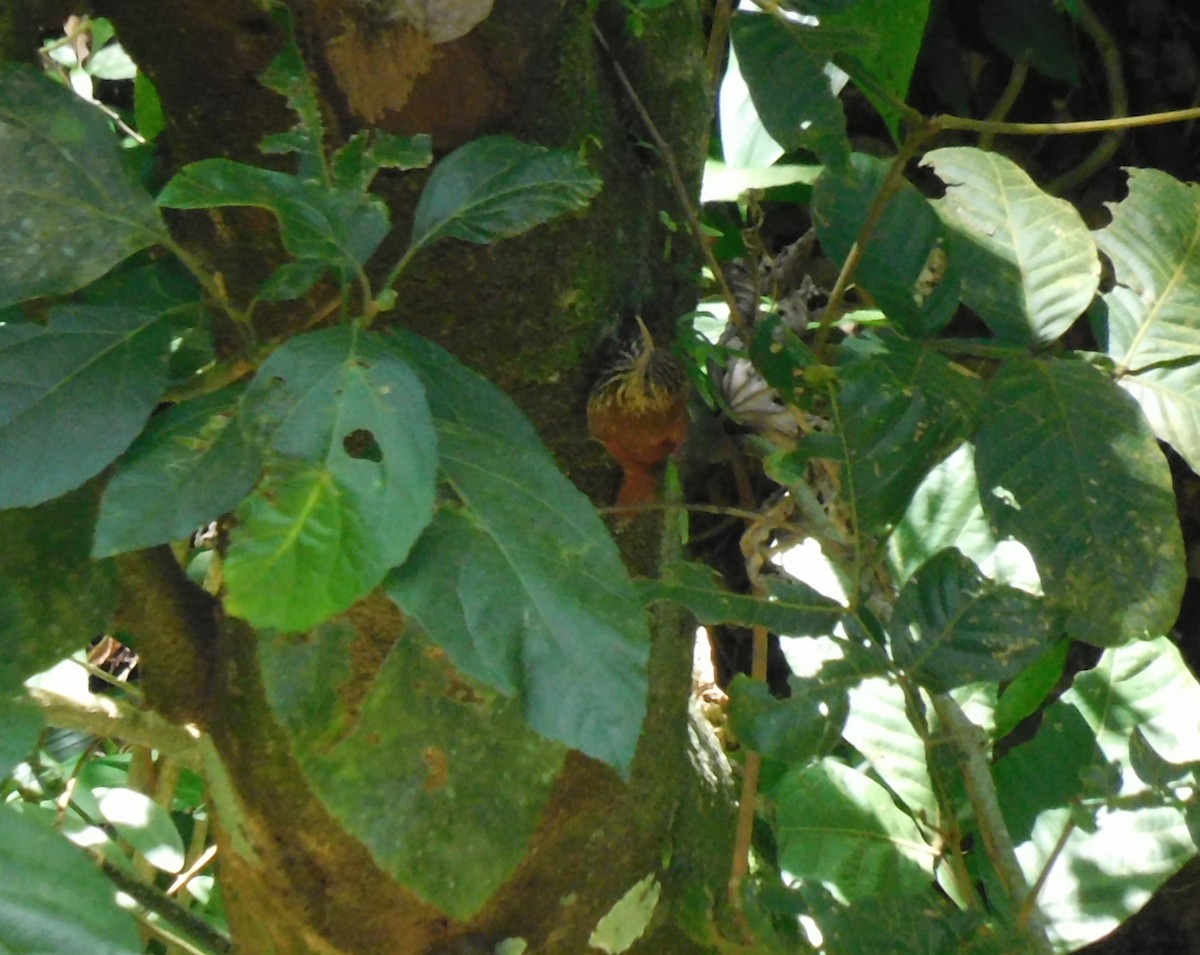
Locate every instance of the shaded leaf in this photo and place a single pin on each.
(1035, 31)
(340, 227)
(288, 76)
(912, 265)
(951, 626)
(463, 779)
(580, 623)
(840, 827)
(53, 898)
(1068, 467)
(900, 408)
(791, 607)
(784, 70)
(922, 924)
(193, 463)
(69, 210)
(56, 430)
(797, 730)
(354, 486)
(494, 187)
(1031, 267)
(355, 164)
(1025, 694)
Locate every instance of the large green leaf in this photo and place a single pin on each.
(52, 897)
(785, 71)
(69, 210)
(884, 68)
(439, 777)
(789, 607)
(951, 626)
(900, 409)
(1069, 468)
(1031, 267)
(341, 227)
(1154, 245)
(73, 395)
(1102, 876)
(193, 463)
(496, 187)
(353, 486)
(911, 264)
(840, 827)
(565, 611)
(1169, 396)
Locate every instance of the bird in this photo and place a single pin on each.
(638, 409)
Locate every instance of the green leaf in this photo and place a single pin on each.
(884, 68)
(22, 720)
(1031, 267)
(147, 108)
(145, 825)
(1154, 308)
(785, 71)
(911, 265)
(805, 726)
(1035, 31)
(53, 898)
(951, 626)
(495, 187)
(288, 76)
(69, 211)
(878, 727)
(193, 463)
(438, 777)
(53, 597)
(1024, 695)
(73, 395)
(790, 607)
(355, 164)
(338, 226)
(1103, 876)
(840, 827)
(581, 623)
(354, 486)
(1068, 467)
(922, 924)
(745, 142)
(901, 408)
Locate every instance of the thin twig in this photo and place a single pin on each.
(1016, 82)
(717, 39)
(681, 191)
(152, 900)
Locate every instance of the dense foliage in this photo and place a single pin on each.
(959, 416)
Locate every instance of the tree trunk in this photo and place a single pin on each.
(526, 313)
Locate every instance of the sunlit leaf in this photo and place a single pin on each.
(144, 825)
(69, 210)
(840, 827)
(354, 486)
(1031, 265)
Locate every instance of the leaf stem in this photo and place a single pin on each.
(967, 738)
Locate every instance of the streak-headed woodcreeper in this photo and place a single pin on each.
(638, 411)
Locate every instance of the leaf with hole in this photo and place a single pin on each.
(1030, 265)
(350, 485)
(74, 394)
(69, 209)
(549, 602)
